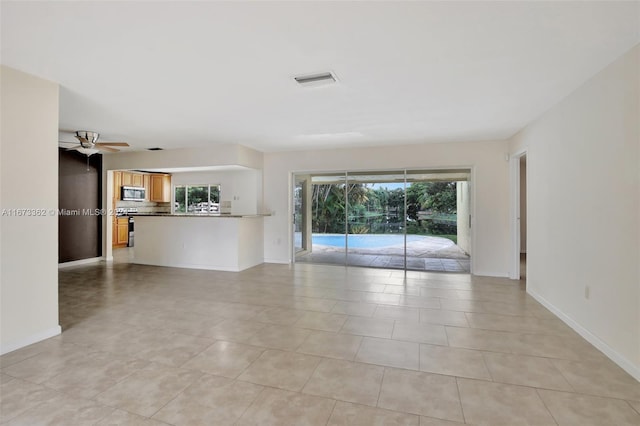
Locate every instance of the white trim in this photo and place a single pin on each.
(514, 213)
(80, 262)
(624, 363)
(278, 261)
(501, 274)
(30, 340)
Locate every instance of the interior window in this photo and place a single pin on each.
(197, 199)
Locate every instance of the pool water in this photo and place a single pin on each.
(362, 240)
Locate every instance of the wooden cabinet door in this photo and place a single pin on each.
(137, 180)
(160, 188)
(127, 179)
(166, 188)
(146, 183)
(123, 231)
(117, 183)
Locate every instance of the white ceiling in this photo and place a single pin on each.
(181, 74)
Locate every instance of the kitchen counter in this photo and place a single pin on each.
(188, 241)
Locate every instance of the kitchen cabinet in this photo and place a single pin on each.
(117, 183)
(160, 188)
(122, 232)
(137, 179)
(146, 183)
(127, 179)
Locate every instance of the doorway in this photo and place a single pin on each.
(519, 216)
(401, 219)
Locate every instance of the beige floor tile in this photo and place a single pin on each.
(18, 396)
(284, 370)
(174, 349)
(280, 407)
(549, 346)
(45, 365)
(453, 362)
(321, 321)
(313, 304)
(226, 359)
(122, 418)
(381, 298)
(21, 354)
(525, 370)
(486, 403)
(635, 405)
(518, 324)
(430, 421)
(392, 353)
(346, 381)
(373, 327)
(601, 378)
(584, 410)
(420, 393)
(235, 330)
(287, 338)
(331, 345)
(348, 414)
(62, 410)
(211, 400)
(420, 332)
(471, 338)
(420, 302)
(95, 373)
(400, 313)
(146, 391)
(355, 309)
(280, 316)
(443, 317)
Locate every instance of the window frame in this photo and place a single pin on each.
(186, 187)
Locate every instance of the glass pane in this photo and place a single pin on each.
(432, 225)
(298, 224)
(327, 213)
(214, 198)
(198, 199)
(179, 197)
(376, 220)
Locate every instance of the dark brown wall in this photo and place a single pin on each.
(79, 237)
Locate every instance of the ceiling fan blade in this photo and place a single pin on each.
(73, 147)
(112, 144)
(106, 148)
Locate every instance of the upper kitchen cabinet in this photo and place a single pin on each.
(160, 188)
(132, 179)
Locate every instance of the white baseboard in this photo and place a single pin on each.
(490, 274)
(278, 261)
(79, 262)
(29, 340)
(616, 357)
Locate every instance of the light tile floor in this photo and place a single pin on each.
(308, 345)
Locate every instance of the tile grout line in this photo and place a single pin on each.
(545, 406)
(464, 419)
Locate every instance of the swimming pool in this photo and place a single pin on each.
(362, 240)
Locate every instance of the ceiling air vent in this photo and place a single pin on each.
(316, 79)
(154, 149)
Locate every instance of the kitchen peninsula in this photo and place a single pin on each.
(225, 242)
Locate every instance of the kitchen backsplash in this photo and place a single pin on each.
(145, 206)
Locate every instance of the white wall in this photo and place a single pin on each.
(241, 187)
(28, 180)
(583, 158)
(490, 245)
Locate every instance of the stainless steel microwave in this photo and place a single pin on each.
(132, 193)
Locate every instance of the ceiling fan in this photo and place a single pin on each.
(89, 144)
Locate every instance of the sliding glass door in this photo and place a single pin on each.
(405, 219)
